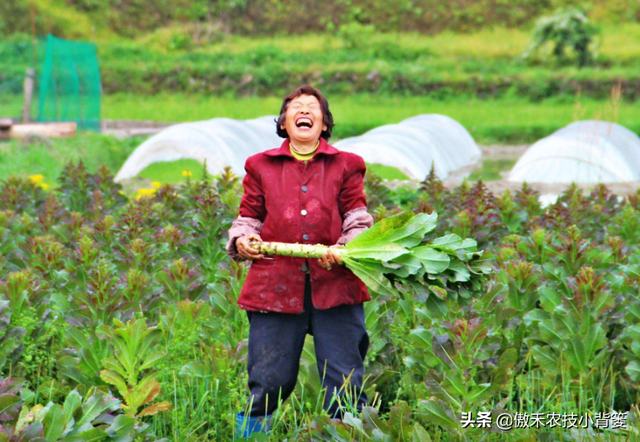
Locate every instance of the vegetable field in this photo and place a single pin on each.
(118, 315)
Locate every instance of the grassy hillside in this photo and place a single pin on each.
(486, 63)
(207, 20)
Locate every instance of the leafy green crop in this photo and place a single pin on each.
(103, 294)
(129, 369)
(93, 416)
(394, 247)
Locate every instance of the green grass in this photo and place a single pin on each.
(489, 170)
(10, 105)
(490, 43)
(387, 172)
(484, 63)
(504, 120)
(172, 171)
(48, 157)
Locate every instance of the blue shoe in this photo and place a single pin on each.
(246, 426)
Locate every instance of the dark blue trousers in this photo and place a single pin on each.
(275, 345)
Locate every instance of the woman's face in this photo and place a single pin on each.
(303, 119)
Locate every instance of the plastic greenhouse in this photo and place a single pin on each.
(416, 143)
(583, 152)
(412, 145)
(221, 141)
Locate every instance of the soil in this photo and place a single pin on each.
(124, 128)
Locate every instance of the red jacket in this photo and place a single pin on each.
(317, 202)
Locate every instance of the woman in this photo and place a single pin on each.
(305, 191)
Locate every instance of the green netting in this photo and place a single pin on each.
(70, 87)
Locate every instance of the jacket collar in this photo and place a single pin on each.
(323, 148)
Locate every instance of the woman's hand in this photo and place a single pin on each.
(330, 257)
(245, 250)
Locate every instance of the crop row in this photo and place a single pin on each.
(118, 317)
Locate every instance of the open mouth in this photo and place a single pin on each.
(304, 123)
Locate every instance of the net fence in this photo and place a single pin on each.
(68, 86)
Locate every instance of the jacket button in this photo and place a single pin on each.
(303, 212)
(304, 188)
(304, 268)
(305, 237)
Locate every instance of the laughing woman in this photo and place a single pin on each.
(306, 191)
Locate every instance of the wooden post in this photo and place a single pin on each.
(28, 95)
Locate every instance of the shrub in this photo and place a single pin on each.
(570, 28)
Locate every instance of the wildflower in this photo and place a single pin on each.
(44, 186)
(35, 179)
(186, 173)
(156, 184)
(145, 192)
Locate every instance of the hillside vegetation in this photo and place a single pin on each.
(92, 19)
(485, 63)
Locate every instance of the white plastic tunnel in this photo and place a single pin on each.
(222, 142)
(411, 146)
(415, 144)
(582, 152)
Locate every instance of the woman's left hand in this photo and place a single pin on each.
(330, 257)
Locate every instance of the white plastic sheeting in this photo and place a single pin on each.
(412, 145)
(416, 143)
(221, 141)
(547, 199)
(582, 152)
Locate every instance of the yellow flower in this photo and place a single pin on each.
(149, 191)
(145, 192)
(35, 179)
(186, 173)
(44, 186)
(156, 184)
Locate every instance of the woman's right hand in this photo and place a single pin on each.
(245, 250)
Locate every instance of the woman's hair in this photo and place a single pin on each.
(327, 118)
